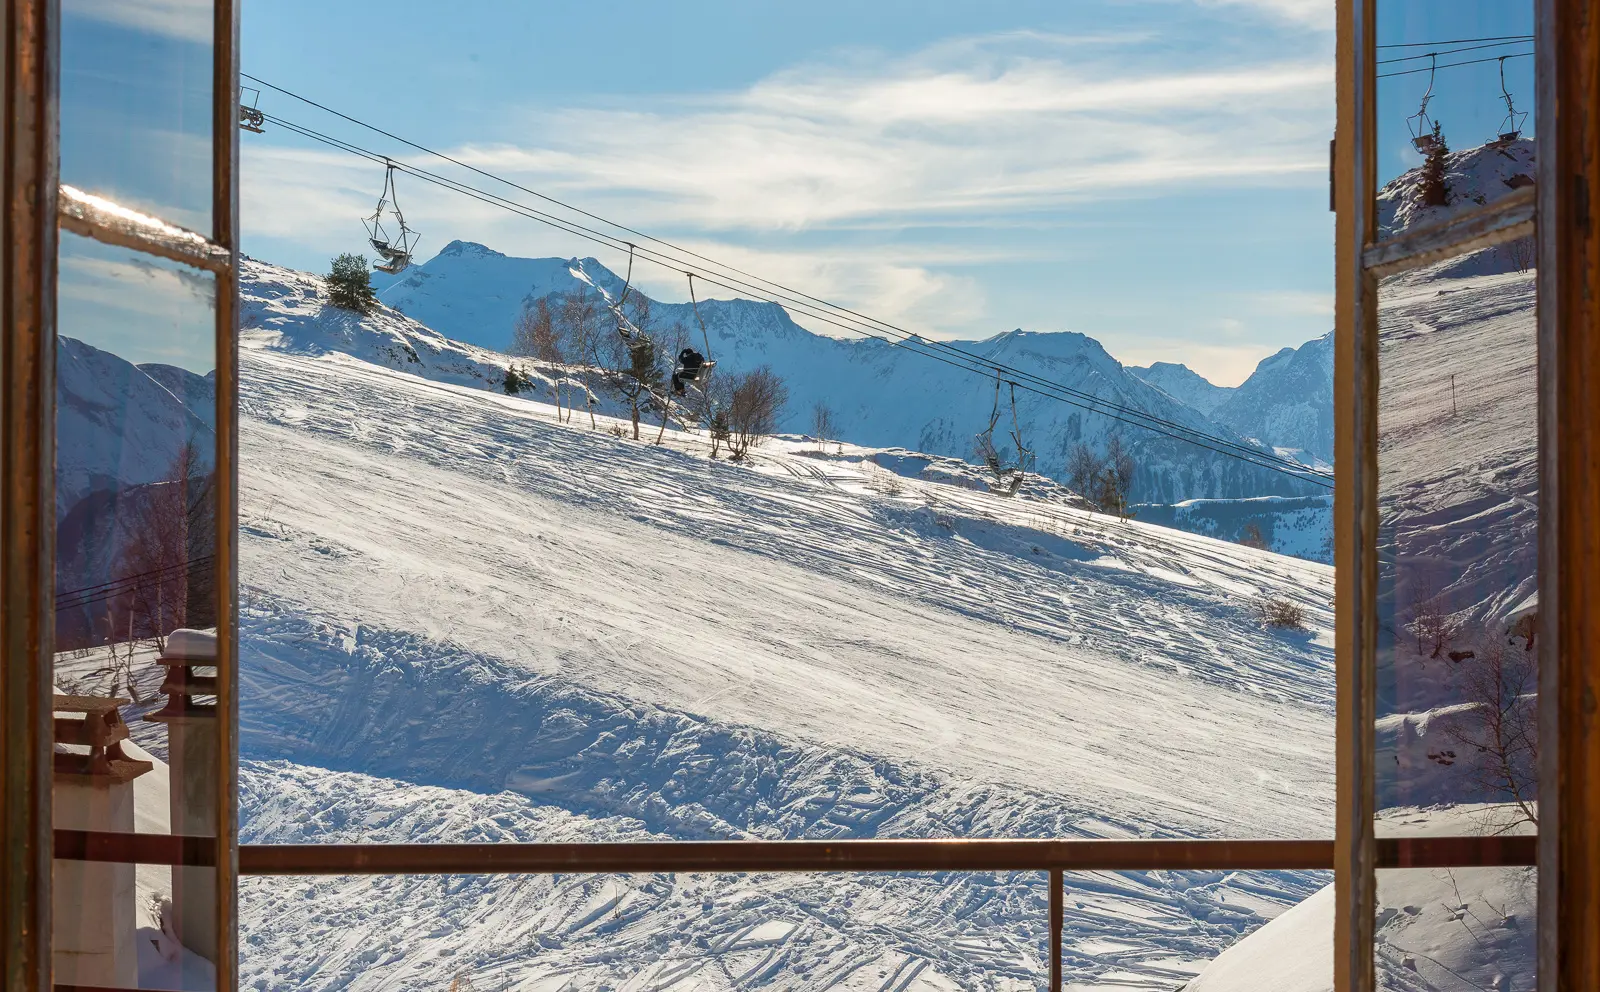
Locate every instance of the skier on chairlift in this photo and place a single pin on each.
(692, 366)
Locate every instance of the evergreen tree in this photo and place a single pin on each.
(720, 433)
(642, 376)
(1432, 189)
(516, 381)
(350, 284)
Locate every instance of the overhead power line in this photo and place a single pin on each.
(740, 282)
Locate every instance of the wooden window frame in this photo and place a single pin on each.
(37, 208)
(1568, 841)
(1567, 847)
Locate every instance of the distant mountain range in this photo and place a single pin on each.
(889, 395)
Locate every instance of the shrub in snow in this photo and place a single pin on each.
(517, 381)
(1280, 613)
(349, 285)
(1251, 536)
(719, 431)
(881, 480)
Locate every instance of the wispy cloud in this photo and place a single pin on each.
(188, 20)
(140, 308)
(991, 132)
(826, 146)
(1317, 14)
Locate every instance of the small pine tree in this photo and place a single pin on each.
(1432, 189)
(516, 381)
(350, 284)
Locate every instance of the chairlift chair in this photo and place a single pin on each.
(692, 367)
(395, 252)
(1420, 124)
(250, 118)
(1511, 127)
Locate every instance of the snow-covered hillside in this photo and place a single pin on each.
(466, 617)
(882, 395)
(1473, 177)
(1456, 928)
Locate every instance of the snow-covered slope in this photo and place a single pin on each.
(882, 395)
(1459, 928)
(467, 620)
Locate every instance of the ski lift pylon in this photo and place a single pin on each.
(394, 252)
(1511, 127)
(1420, 124)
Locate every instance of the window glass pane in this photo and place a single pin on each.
(489, 551)
(136, 731)
(1457, 929)
(1466, 68)
(1458, 497)
(136, 104)
(809, 931)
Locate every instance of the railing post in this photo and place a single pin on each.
(1058, 914)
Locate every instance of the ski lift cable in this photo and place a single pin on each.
(704, 336)
(1453, 65)
(1449, 51)
(1453, 41)
(959, 358)
(967, 361)
(574, 227)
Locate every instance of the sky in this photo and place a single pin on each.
(1152, 173)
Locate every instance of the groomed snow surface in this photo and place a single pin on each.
(464, 620)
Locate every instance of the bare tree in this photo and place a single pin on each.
(639, 357)
(822, 425)
(1251, 536)
(536, 333)
(754, 401)
(1520, 252)
(578, 325)
(1117, 477)
(1083, 471)
(1430, 622)
(1498, 738)
(1103, 479)
(168, 538)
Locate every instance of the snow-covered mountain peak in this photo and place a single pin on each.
(469, 249)
(1184, 384)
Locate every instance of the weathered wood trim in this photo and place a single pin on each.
(27, 486)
